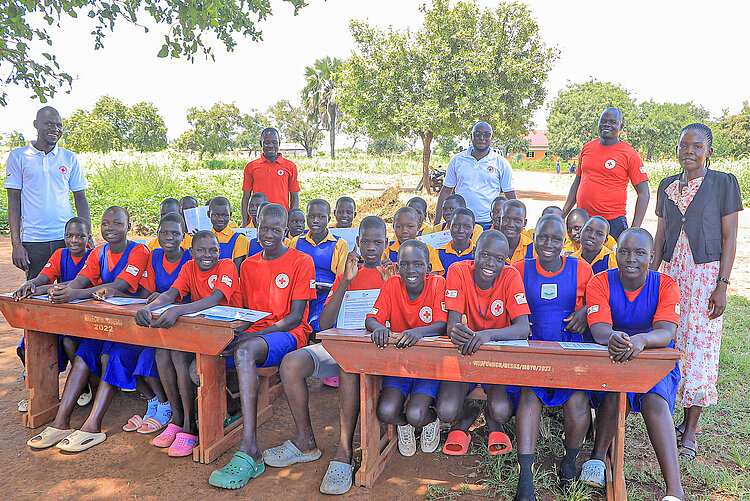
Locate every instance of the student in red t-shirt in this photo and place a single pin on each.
(314, 361)
(116, 265)
(279, 280)
(631, 309)
(412, 302)
(208, 281)
(604, 168)
(491, 296)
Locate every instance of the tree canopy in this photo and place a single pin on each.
(297, 125)
(656, 126)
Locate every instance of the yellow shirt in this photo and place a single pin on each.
(478, 230)
(520, 252)
(240, 245)
(340, 252)
(391, 252)
(249, 224)
(186, 242)
(603, 253)
(232, 224)
(569, 247)
(611, 243)
(425, 230)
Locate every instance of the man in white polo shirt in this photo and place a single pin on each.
(39, 178)
(478, 174)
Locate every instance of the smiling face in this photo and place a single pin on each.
(405, 226)
(220, 216)
(205, 252)
(344, 213)
(170, 235)
(371, 242)
(481, 136)
(115, 226)
(549, 238)
(593, 236)
(489, 260)
(48, 125)
(461, 229)
(76, 238)
(512, 222)
(610, 125)
(634, 256)
(575, 225)
(270, 144)
(413, 266)
(693, 150)
(271, 230)
(296, 223)
(448, 207)
(317, 219)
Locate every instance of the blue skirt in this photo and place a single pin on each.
(553, 397)
(123, 359)
(316, 308)
(146, 364)
(62, 357)
(666, 388)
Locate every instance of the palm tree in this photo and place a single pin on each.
(320, 95)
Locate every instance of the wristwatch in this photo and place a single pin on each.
(724, 279)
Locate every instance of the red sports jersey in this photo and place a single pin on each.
(494, 308)
(271, 286)
(131, 273)
(394, 306)
(584, 275)
(597, 300)
(200, 284)
(274, 179)
(148, 281)
(367, 278)
(52, 269)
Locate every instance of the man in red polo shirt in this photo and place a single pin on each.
(272, 175)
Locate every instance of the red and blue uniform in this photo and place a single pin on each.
(253, 247)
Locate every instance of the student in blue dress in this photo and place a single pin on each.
(231, 245)
(253, 246)
(461, 246)
(631, 309)
(555, 288)
(328, 252)
(512, 225)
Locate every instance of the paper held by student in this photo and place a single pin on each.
(249, 233)
(197, 219)
(123, 301)
(355, 307)
(436, 240)
(348, 234)
(510, 342)
(581, 346)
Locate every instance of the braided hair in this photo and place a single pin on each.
(701, 127)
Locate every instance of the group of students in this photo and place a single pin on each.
(560, 281)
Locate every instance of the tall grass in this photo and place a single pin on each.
(740, 167)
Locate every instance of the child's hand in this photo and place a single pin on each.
(460, 335)
(104, 293)
(386, 269)
(351, 268)
(477, 340)
(634, 346)
(152, 297)
(577, 321)
(619, 344)
(380, 336)
(166, 319)
(60, 294)
(143, 317)
(26, 290)
(406, 339)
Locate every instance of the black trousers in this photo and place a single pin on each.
(39, 253)
(617, 226)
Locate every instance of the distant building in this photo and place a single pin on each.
(538, 146)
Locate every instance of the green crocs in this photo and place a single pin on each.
(237, 473)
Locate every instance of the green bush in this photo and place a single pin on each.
(740, 167)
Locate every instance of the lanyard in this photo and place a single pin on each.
(483, 316)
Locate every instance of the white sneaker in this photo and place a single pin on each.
(23, 405)
(407, 442)
(430, 437)
(593, 473)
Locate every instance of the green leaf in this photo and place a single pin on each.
(164, 52)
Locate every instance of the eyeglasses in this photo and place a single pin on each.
(483, 134)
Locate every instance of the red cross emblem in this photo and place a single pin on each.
(282, 280)
(63, 170)
(212, 280)
(425, 314)
(497, 307)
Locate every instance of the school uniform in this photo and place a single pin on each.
(569, 247)
(524, 250)
(231, 245)
(61, 267)
(103, 267)
(448, 255)
(271, 286)
(489, 226)
(552, 298)
(329, 257)
(634, 313)
(391, 252)
(186, 242)
(494, 308)
(603, 261)
(394, 305)
(475, 234)
(192, 283)
(425, 229)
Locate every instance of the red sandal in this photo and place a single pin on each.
(499, 443)
(457, 443)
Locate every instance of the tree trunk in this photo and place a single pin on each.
(332, 116)
(426, 152)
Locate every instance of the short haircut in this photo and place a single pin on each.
(170, 200)
(260, 195)
(617, 110)
(550, 218)
(44, 110)
(273, 210)
(419, 245)
(203, 234)
(491, 235)
(79, 220)
(296, 210)
(319, 202)
(463, 211)
(638, 232)
(189, 197)
(372, 222)
(268, 130)
(514, 203)
(404, 210)
(417, 200)
(461, 201)
(551, 209)
(600, 219)
(219, 202)
(117, 208)
(578, 213)
(498, 199)
(174, 218)
(349, 200)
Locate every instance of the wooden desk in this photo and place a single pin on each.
(543, 363)
(42, 321)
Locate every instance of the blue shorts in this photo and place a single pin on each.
(121, 365)
(279, 344)
(409, 385)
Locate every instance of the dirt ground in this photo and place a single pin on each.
(127, 467)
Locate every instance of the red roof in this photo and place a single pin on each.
(537, 138)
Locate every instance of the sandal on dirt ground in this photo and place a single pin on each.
(150, 425)
(48, 437)
(593, 473)
(85, 398)
(79, 441)
(678, 433)
(165, 438)
(183, 445)
(687, 453)
(499, 443)
(133, 423)
(23, 405)
(338, 478)
(457, 443)
(288, 454)
(237, 473)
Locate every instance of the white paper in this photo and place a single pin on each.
(348, 234)
(161, 310)
(355, 307)
(324, 284)
(122, 301)
(582, 346)
(436, 240)
(250, 233)
(510, 342)
(45, 297)
(228, 312)
(197, 219)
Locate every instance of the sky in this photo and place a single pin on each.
(665, 50)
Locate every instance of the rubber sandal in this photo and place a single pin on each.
(687, 453)
(133, 423)
(333, 382)
(165, 438)
(23, 405)
(338, 478)
(237, 473)
(79, 441)
(150, 425)
(457, 443)
(593, 473)
(231, 419)
(85, 398)
(48, 437)
(288, 454)
(678, 433)
(183, 445)
(499, 443)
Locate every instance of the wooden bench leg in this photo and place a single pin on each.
(212, 403)
(41, 378)
(376, 450)
(616, 490)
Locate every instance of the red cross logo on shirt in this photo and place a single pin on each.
(282, 280)
(63, 170)
(212, 280)
(489, 169)
(497, 307)
(425, 314)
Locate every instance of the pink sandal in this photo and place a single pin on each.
(165, 438)
(150, 425)
(133, 423)
(183, 445)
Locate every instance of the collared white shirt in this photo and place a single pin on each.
(479, 181)
(45, 182)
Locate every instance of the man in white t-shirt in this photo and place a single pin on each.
(39, 178)
(479, 174)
